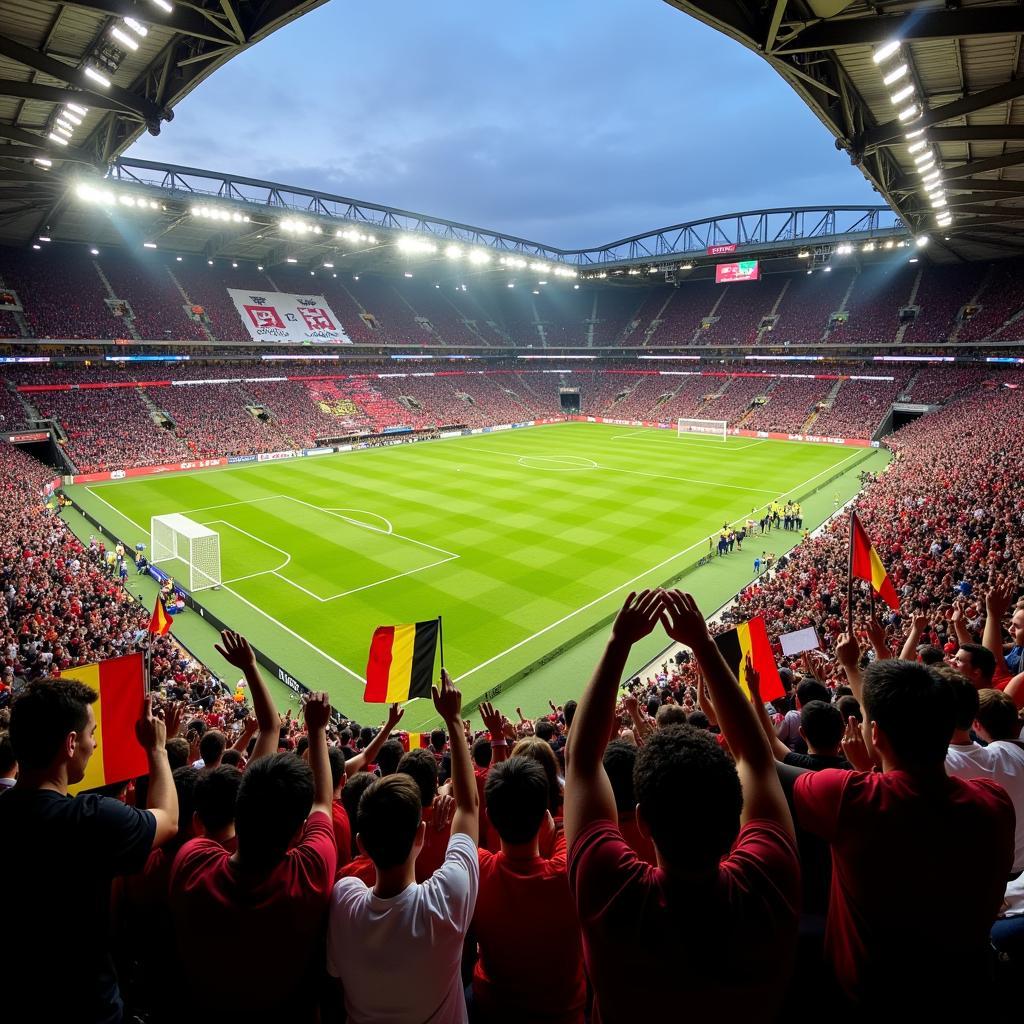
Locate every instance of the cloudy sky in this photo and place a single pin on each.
(570, 122)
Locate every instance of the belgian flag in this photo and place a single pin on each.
(401, 662)
(751, 639)
(120, 689)
(866, 565)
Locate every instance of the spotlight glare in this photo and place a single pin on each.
(901, 94)
(885, 51)
(909, 113)
(896, 74)
(101, 80)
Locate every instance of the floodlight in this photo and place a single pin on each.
(896, 74)
(916, 147)
(908, 113)
(101, 80)
(137, 27)
(124, 38)
(149, 245)
(901, 94)
(886, 51)
(77, 109)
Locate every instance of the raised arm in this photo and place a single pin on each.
(642, 726)
(879, 641)
(494, 723)
(162, 797)
(959, 626)
(588, 791)
(235, 650)
(365, 758)
(763, 797)
(848, 655)
(704, 701)
(917, 627)
(997, 602)
(779, 749)
(317, 712)
(247, 733)
(448, 704)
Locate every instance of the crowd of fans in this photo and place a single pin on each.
(846, 849)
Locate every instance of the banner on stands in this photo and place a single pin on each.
(279, 316)
(274, 456)
(175, 467)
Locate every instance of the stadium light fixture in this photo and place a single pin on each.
(686, 266)
(896, 74)
(149, 245)
(909, 113)
(70, 117)
(913, 259)
(885, 51)
(137, 27)
(65, 131)
(576, 287)
(868, 247)
(291, 259)
(939, 202)
(803, 254)
(163, 5)
(94, 252)
(407, 274)
(927, 165)
(45, 238)
(454, 252)
(889, 245)
(329, 266)
(922, 241)
(178, 259)
(916, 147)
(902, 94)
(511, 284)
(535, 292)
(923, 158)
(542, 282)
(944, 221)
(42, 161)
(479, 257)
(415, 246)
(124, 38)
(234, 265)
(36, 247)
(915, 134)
(209, 263)
(828, 270)
(81, 111)
(934, 174)
(100, 80)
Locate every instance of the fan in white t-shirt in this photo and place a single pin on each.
(1002, 760)
(396, 948)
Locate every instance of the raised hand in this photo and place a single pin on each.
(447, 700)
(444, 809)
(235, 650)
(876, 634)
(683, 620)
(855, 750)
(920, 621)
(150, 730)
(637, 617)
(317, 711)
(395, 713)
(999, 597)
(493, 720)
(173, 717)
(631, 705)
(753, 680)
(848, 651)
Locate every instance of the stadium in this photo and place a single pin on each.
(376, 443)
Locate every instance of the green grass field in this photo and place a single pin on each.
(520, 539)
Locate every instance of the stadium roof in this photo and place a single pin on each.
(956, 74)
(80, 80)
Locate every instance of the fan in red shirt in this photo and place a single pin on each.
(721, 906)
(422, 766)
(525, 921)
(920, 860)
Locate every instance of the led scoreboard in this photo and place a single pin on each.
(745, 270)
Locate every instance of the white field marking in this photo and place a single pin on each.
(565, 467)
(650, 433)
(626, 585)
(412, 540)
(292, 633)
(519, 456)
(397, 576)
(259, 540)
(118, 511)
(228, 504)
(364, 512)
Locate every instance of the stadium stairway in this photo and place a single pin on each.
(203, 326)
(765, 393)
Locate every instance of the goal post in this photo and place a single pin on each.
(717, 429)
(177, 538)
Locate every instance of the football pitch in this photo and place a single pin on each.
(520, 539)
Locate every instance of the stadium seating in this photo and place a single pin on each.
(806, 305)
(790, 403)
(681, 318)
(859, 407)
(156, 301)
(1001, 298)
(740, 311)
(879, 292)
(942, 293)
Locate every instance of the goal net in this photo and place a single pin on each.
(176, 538)
(703, 428)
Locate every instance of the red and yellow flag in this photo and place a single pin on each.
(751, 639)
(866, 565)
(160, 623)
(401, 662)
(121, 685)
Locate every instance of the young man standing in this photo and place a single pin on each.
(525, 972)
(898, 837)
(396, 948)
(276, 884)
(721, 906)
(65, 851)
